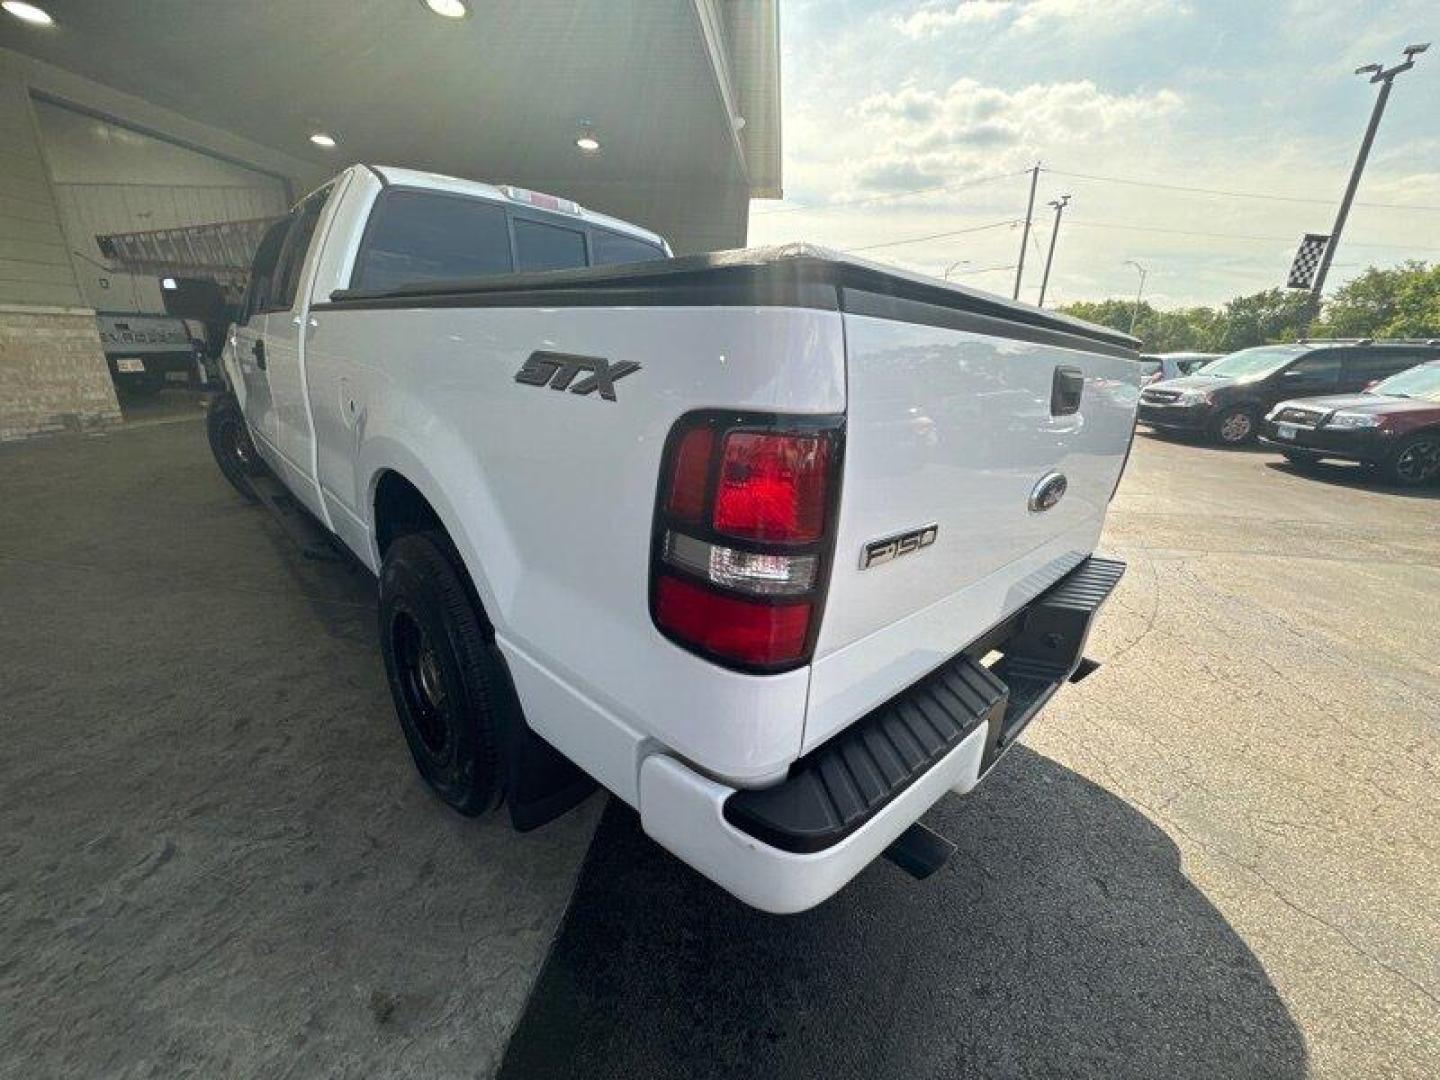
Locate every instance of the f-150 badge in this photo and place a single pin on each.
(893, 547)
(558, 371)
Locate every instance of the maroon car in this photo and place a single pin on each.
(1394, 425)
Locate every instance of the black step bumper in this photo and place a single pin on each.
(840, 785)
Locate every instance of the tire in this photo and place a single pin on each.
(1415, 461)
(232, 446)
(446, 677)
(1234, 427)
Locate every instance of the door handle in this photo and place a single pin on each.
(259, 350)
(1065, 390)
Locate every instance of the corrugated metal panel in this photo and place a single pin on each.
(34, 261)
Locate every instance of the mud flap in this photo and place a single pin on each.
(541, 783)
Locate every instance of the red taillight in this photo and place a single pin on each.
(752, 633)
(743, 535)
(686, 499)
(771, 487)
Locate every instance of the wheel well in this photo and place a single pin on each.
(401, 509)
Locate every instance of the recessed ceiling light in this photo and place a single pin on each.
(451, 9)
(586, 140)
(321, 139)
(28, 13)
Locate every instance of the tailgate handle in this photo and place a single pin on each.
(1065, 391)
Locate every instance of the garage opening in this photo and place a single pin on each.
(129, 204)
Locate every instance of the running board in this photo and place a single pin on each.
(273, 497)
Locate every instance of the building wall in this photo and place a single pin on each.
(108, 178)
(34, 260)
(53, 375)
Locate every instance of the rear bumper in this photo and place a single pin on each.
(1174, 417)
(788, 847)
(1362, 444)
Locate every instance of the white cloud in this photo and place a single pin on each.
(914, 137)
(1031, 15)
(928, 22)
(1094, 15)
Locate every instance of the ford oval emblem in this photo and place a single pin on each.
(1048, 491)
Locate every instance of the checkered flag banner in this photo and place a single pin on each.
(1302, 270)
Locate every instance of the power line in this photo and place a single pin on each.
(935, 236)
(1227, 236)
(956, 186)
(1236, 194)
(984, 270)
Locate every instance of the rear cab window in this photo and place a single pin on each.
(419, 236)
(540, 245)
(611, 248)
(416, 236)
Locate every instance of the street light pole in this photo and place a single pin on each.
(1385, 77)
(1025, 237)
(1059, 205)
(949, 269)
(1135, 314)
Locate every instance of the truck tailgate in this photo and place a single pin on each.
(956, 430)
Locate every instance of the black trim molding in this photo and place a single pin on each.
(795, 275)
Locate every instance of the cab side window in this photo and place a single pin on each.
(1367, 367)
(292, 255)
(262, 269)
(1317, 368)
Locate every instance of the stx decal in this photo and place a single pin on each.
(559, 370)
(892, 547)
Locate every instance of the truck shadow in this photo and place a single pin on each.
(1061, 940)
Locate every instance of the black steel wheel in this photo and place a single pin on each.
(446, 676)
(231, 444)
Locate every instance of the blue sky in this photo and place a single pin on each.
(883, 97)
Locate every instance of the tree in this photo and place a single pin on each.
(1260, 318)
(1402, 301)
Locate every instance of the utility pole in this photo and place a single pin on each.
(1135, 313)
(1384, 76)
(1025, 237)
(1059, 205)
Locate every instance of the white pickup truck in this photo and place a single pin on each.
(777, 545)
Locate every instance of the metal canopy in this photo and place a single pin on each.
(500, 95)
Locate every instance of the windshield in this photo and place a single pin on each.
(1415, 382)
(1250, 363)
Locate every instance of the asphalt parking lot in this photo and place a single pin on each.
(1215, 857)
